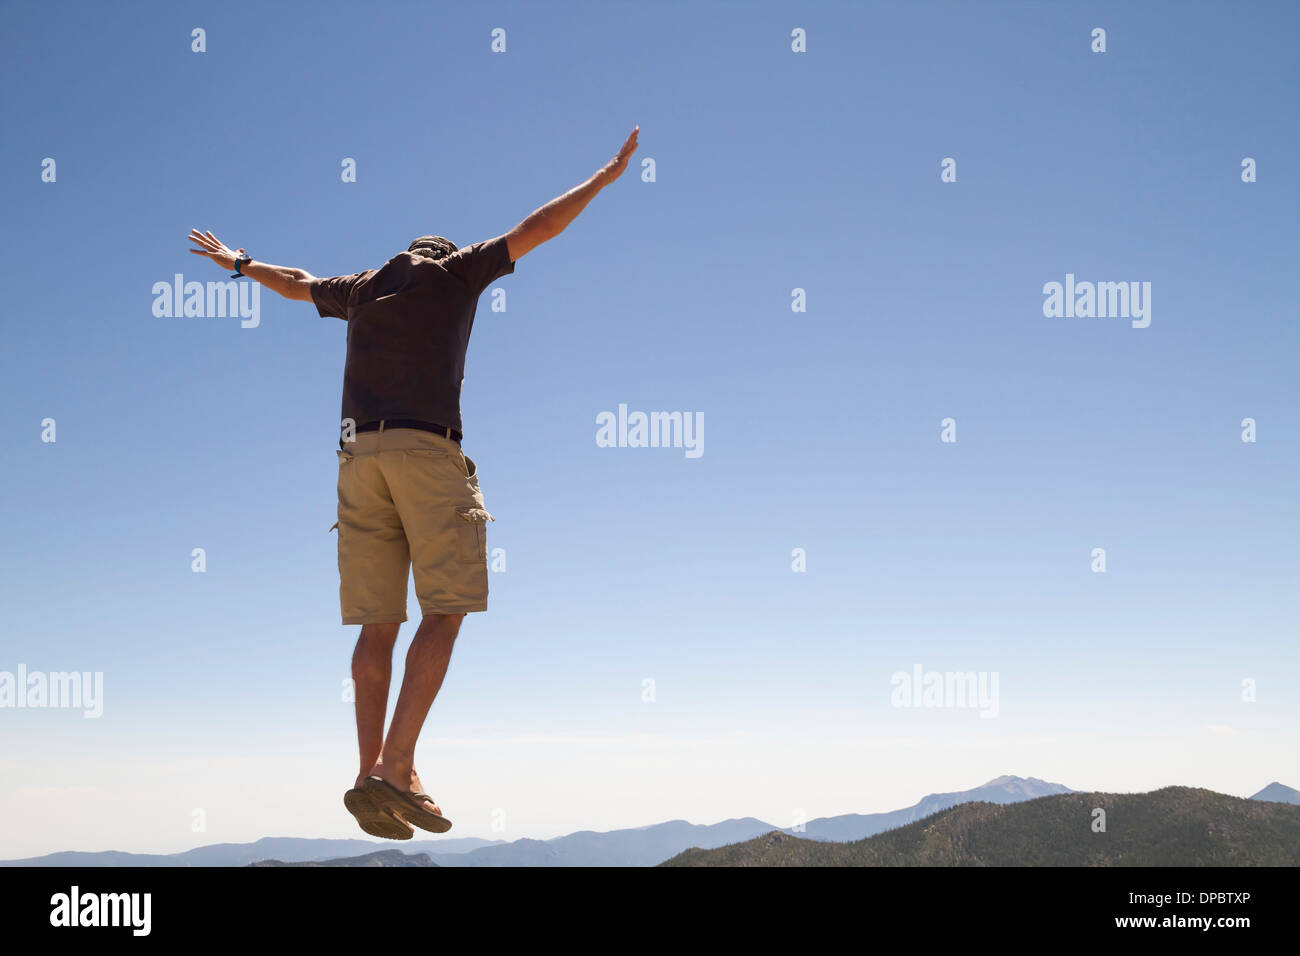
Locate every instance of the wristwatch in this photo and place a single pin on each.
(239, 261)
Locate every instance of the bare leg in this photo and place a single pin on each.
(372, 672)
(426, 665)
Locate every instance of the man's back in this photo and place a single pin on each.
(409, 324)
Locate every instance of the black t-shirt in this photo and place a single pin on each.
(408, 328)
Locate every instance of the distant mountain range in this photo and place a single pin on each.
(1276, 793)
(642, 846)
(378, 858)
(291, 849)
(1176, 826)
(855, 826)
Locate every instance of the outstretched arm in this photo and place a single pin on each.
(290, 283)
(551, 220)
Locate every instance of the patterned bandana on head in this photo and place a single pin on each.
(433, 247)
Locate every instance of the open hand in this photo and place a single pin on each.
(614, 168)
(213, 248)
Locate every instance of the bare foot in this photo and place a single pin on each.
(365, 773)
(406, 782)
(417, 786)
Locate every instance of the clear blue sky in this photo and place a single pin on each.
(775, 170)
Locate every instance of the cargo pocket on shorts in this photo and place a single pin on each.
(472, 534)
(344, 459)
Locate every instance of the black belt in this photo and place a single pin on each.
(384, 424)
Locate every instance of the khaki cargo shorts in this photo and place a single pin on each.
(409, 501)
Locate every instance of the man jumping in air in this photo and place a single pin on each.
(409, 499)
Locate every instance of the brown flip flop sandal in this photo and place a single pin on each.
(374, 819)
(409, 805)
